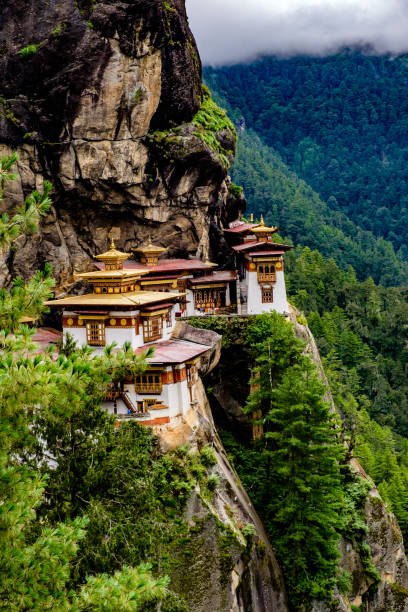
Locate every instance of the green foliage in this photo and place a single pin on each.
(231, 328)
(210, 123)
(274, 348)
(213, 482)
(27, 216)
(208, 456)
(51, 421)
(338, 122)
(126, 591)
(361, 333)
(292, 472)
(305, 484)
(33, 574)
(248, 530)
(273, 187)
(344, 582)
(235, 190)
(28, 50)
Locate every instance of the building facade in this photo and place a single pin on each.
(140, 302)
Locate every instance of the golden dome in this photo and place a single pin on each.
(150, 253)
(263, 229)
(113, 257)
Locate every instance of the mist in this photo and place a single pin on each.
(233, 31)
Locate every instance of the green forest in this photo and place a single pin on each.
(340, 123)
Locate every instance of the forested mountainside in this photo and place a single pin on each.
(286, 200)
(362, 333)
(339, 123)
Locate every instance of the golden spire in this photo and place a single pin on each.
(261, 230)
(113, 259)
(150, 253)
(251, 218)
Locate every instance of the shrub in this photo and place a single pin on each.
(27, 51)
(213, 481)
(208, 456)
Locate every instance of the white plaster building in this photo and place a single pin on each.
(259, 261)
(119, 311)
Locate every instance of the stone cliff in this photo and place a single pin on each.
(101, 98)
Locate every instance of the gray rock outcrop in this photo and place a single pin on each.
(80, 109)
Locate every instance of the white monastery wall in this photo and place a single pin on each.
(255, 304)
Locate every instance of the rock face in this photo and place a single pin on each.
(84, 86)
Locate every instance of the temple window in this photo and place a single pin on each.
(152, 328)
(266, 273)
(148, 403)
(267, 294)
(148, 382)
(208, 299)
(95, 333)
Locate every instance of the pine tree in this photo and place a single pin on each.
(305, 484)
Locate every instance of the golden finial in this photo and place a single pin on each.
(262, 221)
(149, 241)
(112, 245)
(252, 217)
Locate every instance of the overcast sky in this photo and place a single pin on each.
(229, 31)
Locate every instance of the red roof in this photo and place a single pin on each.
(163, 265)
(220, 276)
(248, 245)
(174, 351)
(264, 243)
(242, 228)
(262, 253)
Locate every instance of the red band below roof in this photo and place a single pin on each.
(156, 307)
(262, 253)
(92, 312)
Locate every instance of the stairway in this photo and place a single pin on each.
(128, 402)
(242, 298)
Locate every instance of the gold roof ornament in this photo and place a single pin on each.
(150, 253)
(262, 229)
(113, 259)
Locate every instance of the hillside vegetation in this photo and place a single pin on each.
(340, 123)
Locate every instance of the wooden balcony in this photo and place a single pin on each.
(267, 278)
(154, 388)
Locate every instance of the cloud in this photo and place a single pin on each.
(232, 31)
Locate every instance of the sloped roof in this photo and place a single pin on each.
(173, 351)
